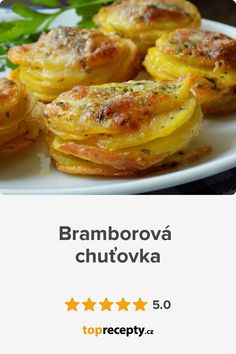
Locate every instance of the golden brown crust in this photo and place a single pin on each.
(18, 119)
(111, 108)
(81, 47)
(66, 57)
(121, 129)
(8, 91)
(149, 11)
(224, 104)
(210, 57)
(144, 21)
(175, 162)
(128, 161)
(203, 47)
(15, 145)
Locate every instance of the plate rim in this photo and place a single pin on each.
(148, 184)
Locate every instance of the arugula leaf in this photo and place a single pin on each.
(88, 10)
(5, 26)
(26, 12)
(10, 65)
(2, 65)
(3, 49)
(48, 3)
(89, 3)
(75, 3)
(33, 22)
(87, 14)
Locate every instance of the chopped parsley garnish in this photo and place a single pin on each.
(146, 152)
(210, 79)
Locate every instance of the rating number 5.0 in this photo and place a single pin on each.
(161, 305)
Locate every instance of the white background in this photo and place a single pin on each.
(39, 273)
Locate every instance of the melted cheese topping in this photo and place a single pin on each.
(112, 108)
(202, 48)
(66, 57)
(209, 57)
(145, 20)
(123, 127)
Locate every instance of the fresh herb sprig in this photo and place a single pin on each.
(32, 23)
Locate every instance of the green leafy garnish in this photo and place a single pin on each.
(49, 3)
(33, 23)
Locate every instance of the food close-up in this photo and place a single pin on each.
(122, 129)
(116, 96)
(209, 56)
(19, 125)
(117, 176)
(144, 21)
(66, 57)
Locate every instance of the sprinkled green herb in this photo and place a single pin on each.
(146, 152)
(189, 43)
(211, 79)
(213, 82)
(171, 41)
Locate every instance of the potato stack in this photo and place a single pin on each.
(122, 129)
(211, 59)
(66, 57)
(18, 124)
(144, 21)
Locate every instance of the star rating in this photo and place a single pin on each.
(140, 305)
(106, 305)
(123, 305)
(72, 305)
(89, 305)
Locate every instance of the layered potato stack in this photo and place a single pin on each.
(18, 118)
(144, 21)
(209, 56)
(66, 57)
(96, 120)
(122, 129)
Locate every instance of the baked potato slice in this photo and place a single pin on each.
(121, 129)
(144, 21)
(137, 158)
(113, 108)
(66, 57)
(19, 125)
(210, 57)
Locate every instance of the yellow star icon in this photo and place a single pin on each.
(72, 305)
(89, 305)
(123, 305)
(140, 305)
(106, 304)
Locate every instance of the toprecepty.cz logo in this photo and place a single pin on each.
(124, 331)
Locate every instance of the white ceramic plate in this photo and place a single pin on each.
(23, 173)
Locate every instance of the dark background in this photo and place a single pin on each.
(218, 10)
